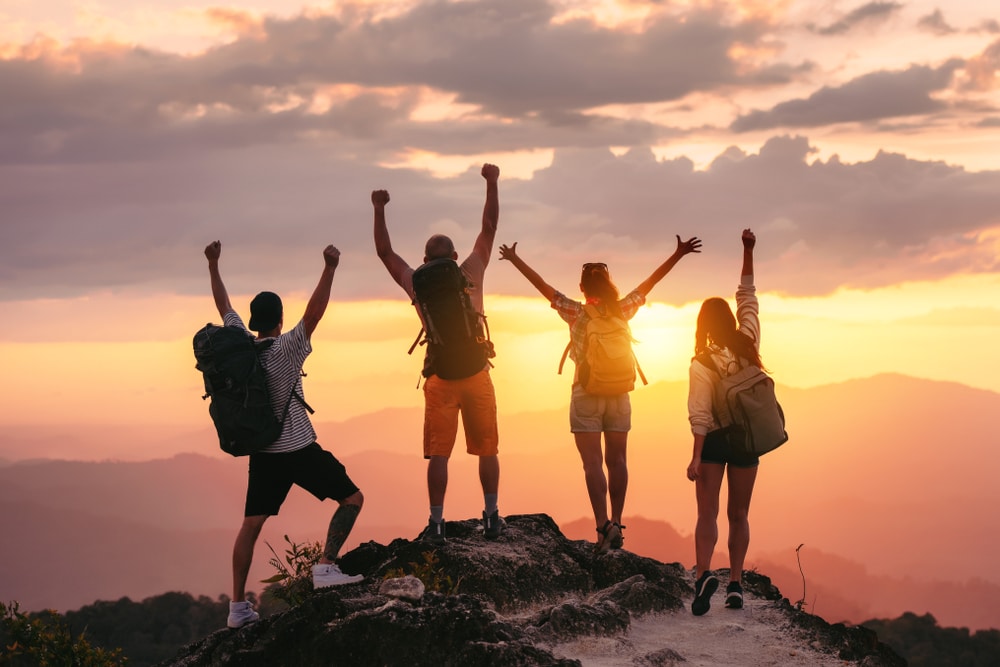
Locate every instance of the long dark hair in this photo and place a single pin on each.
(595, 281)
(717, 324)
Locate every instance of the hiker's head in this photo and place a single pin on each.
(717, 324)
(265, 312)
(595, 282)
(438, 247)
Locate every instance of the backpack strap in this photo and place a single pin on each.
(592, 312)
(564, 355)
(638, 369)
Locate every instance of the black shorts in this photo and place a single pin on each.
(313, 468)
(717, 450)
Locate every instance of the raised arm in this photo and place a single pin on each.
(395, 264)
(213, 251)
(693, 244)
(491, 214)
(749, 241)
(321, 295)
(510, 254)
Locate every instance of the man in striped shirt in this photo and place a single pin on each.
(295, 457)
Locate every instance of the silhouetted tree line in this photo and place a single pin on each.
(924, 644)
(147, 632)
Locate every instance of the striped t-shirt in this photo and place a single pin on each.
(282, 362)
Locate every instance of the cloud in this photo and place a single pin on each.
(357, 75)
(870, 97)
(869, 13)
(935, 23)
(141, 228)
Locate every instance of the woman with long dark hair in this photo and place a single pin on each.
(592, 415)
(728, 343)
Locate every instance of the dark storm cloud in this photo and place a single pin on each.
(870, 97)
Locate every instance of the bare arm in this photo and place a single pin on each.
(510, 254)
(693, 244)
(491, 214)
(213, 251)
(395, 264)
(749, 241)
(321, 295)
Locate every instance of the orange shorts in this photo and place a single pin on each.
(475, 398)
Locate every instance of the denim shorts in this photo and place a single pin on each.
(590, 413)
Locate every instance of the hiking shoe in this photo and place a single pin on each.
(240, 614)
(734, 595)
(607, 535)
(617, 538)
(493, 525)
(703, 590)
(434, 532)
(328, 574)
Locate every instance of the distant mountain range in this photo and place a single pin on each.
(887, 481)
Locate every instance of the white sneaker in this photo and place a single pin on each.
(240, 614)
(328, 574)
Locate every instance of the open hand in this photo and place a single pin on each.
(693, 244)
(508, 252)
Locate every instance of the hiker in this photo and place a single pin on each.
(728, 340)
(467, 391)
(295, 457)
(592, 414)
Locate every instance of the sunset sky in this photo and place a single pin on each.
(860, 141)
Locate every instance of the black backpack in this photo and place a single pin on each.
(457, 337)
(235, 380)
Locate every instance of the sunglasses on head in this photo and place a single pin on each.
(595, 266)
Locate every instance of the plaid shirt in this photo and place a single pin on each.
(572, 312)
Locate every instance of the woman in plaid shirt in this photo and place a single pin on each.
(593, 415)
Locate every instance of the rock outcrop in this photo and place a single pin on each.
(505, 602)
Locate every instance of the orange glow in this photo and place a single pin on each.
(127, 359)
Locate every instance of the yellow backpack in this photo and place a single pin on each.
(608, 366)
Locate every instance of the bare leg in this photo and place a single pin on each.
(741, 482)
(706, 532)
(437, 479)
(243, 553)
(614, 457)
(489, 473)
(589, 446)
(341, 525)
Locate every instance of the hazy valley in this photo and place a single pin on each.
(884, 481)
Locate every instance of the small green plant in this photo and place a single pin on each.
(45, 639)
(293, 582)
(429, 572)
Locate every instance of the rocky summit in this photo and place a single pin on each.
(512, 601)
